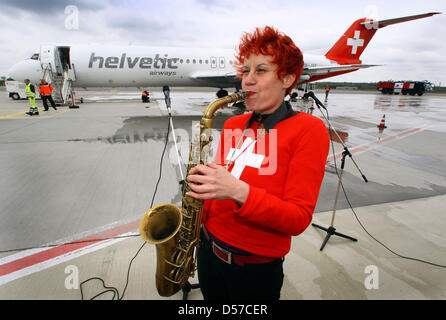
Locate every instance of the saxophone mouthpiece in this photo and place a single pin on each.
(246, 94)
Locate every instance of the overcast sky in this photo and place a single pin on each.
(413, 50)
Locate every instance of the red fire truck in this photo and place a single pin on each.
(404, 87)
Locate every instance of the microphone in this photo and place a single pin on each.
(311, 94)
(166, 91)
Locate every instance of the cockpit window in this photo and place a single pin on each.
(35, 56)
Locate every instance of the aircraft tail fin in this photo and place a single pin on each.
(352, 43)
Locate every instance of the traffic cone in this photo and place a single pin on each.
(382, 124)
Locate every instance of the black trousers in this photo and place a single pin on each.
(45, 100)
(221, 281)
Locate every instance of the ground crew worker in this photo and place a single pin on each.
(31, 95)
(145, 96)
(45, 93)
(327, 91)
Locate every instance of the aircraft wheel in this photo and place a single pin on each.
(222, 93)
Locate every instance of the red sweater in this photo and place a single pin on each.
(282, 193)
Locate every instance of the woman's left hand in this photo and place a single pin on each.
(215, 182)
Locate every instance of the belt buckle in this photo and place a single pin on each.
(229, 254)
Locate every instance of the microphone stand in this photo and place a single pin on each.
(331, 230)
(166, 91)
(187, 286)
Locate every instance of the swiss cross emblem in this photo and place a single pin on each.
(244, 156)
(355, 42)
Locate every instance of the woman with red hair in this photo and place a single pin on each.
(264, 183)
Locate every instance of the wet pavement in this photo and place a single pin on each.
(72, 174)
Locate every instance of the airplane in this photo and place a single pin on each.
(71, 66)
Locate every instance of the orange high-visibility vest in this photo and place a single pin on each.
(46, 89)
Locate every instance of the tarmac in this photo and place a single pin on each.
(76, 182)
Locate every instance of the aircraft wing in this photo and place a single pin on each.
(216, 79)
(330, 69)
(229, 79)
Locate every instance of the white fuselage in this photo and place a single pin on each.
(143, 66)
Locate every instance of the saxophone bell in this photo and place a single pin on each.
(160, 223)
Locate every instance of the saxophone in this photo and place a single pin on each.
(176, 232)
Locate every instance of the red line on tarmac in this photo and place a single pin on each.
(381, 141)
(64, 248)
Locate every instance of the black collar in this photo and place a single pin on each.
(269, 121)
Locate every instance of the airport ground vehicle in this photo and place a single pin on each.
(15, 89)
(404, 87)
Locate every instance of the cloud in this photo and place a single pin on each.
(25, 25)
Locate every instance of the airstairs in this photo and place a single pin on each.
(58, 71)
(62, 84)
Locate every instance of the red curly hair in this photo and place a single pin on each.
(270, 42)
